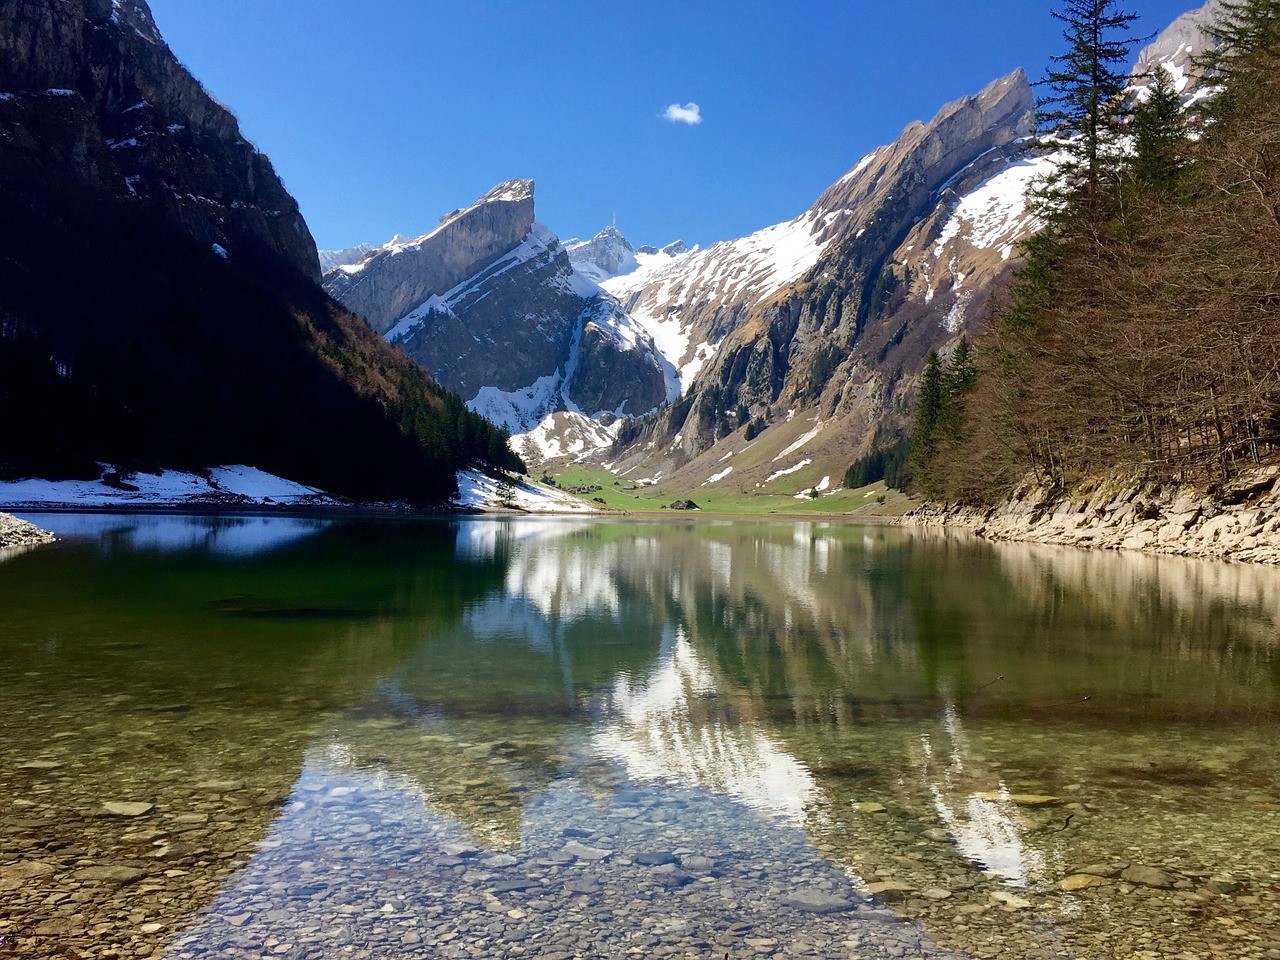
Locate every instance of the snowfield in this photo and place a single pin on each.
(229, 486)
(995, 214)
(480, 491)
(657, 294)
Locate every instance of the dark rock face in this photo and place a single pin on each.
(159, 304)
(608, 377)
(508, 328)
(94, 94)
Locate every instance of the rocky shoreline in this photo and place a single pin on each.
(19, 533)
(1240, 522)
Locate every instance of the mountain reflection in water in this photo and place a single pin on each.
(595, 737)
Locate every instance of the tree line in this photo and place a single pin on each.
(1143, 328)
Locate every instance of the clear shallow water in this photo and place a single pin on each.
(588, 738)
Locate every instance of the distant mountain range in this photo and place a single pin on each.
(160, 301)
(813, 331)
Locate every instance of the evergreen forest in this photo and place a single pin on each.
(1142, 331)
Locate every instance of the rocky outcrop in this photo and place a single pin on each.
(1240, 522)
(389, 283)
(92, 94)
(1177, 47)
(504, 327)
(342, 258)
(19, 533)
(607, 378)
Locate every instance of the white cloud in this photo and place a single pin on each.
(690, 113)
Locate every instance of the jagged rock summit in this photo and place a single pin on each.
(403, 273)
(605, 255)
(491, 305)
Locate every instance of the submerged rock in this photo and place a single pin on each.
(1148, 877)
(115, 808)
(815, 901)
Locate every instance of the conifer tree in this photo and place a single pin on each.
(1085, 102)
(924, 436)
(1160, 137)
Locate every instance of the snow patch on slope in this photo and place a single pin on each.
(790, 470)
(753, 268)
(716, 478)
(229, 485)
(801, 441)
(995, 214)
(565, 433)
(481, 491)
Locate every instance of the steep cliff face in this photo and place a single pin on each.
(159, 304)
(399, 276)
(491, 305)
(605, 255)
(94, 95)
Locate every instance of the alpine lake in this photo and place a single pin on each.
(275, 736)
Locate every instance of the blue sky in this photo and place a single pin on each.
(383, 115)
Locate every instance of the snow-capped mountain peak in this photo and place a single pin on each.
(607, 254)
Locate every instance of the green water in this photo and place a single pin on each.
(484, 738)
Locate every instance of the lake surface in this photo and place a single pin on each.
(281, 737)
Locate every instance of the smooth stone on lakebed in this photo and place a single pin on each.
(889, 889)
(815, 901)
(123, 809)
(1022, 799)
(1081, 881)
(1224, 885)
(459, 849)
(583, 852)
(1107, 870)
(655, 859)
(1148, 877)
(110, 874)
(1009, 901)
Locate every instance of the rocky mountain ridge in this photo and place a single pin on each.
(493, 306)
(813, 333)
(813, 323)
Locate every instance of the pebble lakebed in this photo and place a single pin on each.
(395, 841)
